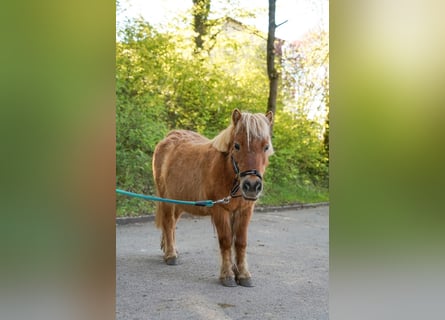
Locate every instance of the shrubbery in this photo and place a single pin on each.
(163, 85)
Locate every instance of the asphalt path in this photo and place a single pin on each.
(288, 256)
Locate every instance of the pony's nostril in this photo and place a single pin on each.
(246, 186)
(258, 187)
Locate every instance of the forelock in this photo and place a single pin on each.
(255, 125)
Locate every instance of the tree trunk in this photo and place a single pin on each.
(271, 71)
(201, 9)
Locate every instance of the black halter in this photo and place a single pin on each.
(238, 175)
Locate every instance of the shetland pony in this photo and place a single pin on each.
(188, 166)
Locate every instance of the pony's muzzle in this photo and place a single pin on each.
(251, 187)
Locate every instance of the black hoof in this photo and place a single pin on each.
(173, 261)
(228, 282)
(245, 282)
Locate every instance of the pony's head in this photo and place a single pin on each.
(248, 142)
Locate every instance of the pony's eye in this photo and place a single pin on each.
(266, 148)
(237, 146)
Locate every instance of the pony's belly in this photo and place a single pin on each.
(195, 211)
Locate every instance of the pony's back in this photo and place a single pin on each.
(175, 170)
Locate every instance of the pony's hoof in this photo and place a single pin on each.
(246, 282)
(173, 261)
(228, 282)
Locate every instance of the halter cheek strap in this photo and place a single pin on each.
(252, 172)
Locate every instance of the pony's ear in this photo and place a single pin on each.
(269, 116)
(236, 116)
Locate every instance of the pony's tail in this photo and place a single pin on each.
(158, 211)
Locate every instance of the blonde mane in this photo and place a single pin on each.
(255, 125)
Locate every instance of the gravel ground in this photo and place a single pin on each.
(288, 255)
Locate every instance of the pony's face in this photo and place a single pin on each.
(250, 150)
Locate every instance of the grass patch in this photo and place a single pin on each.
(133, 207)
(279, 194)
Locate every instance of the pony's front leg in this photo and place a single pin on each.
(222, 222)
(240, 226)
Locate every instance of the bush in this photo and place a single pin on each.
(161, 85)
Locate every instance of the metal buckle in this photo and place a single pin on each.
(225, 200)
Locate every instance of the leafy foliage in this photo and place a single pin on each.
(139, 109)
(306, 115)
(163, 84)
(299, 153)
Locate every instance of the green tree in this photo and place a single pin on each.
(200, 11)
(160, 88)
(161, 84)
(302, 130)
(138, 110)
(306, 75)
(271, 70)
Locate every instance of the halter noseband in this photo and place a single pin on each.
(238, 175)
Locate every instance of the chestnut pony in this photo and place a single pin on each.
(188, 166)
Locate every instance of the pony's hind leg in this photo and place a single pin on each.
(165, 219)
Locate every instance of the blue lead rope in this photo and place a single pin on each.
(203, 203)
